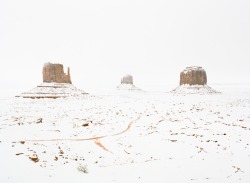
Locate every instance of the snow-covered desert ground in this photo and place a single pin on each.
(127, 136)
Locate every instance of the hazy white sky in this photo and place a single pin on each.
(101, 40)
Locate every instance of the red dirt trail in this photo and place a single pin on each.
(97, 139)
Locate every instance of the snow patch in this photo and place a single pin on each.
(194, 89)
(53, 90)
(128, 87)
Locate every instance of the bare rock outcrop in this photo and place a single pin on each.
(55, 73)
(193, 76)
(128, 79)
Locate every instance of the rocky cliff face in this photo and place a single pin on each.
(193, 76)
(55, 73)
(128, 79)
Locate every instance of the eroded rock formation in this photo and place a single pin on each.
(55, 73)
(193, 76)
(56, 84)
(128, 79)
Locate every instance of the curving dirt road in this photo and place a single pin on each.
(97, 139)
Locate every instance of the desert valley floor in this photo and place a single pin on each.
(127, 136)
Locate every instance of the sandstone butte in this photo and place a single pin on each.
(56, 84)
(128, 79)
(55, 73)
(193, 76)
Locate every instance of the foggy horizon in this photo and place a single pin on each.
(102, 41)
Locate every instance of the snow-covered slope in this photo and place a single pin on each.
(128, 87)
(143, 137)
(194, 89)
(53, 90)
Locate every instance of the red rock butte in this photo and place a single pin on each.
(193, 76)
(56, 84)
(128, 79)
(55, 73)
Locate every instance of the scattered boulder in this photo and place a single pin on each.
(22, 142)
(85, 124)
(18, 154)
(34, 159)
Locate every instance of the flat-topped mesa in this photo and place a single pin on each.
(127, 84)
(55, 73)
(193, 76)
(128, 79)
